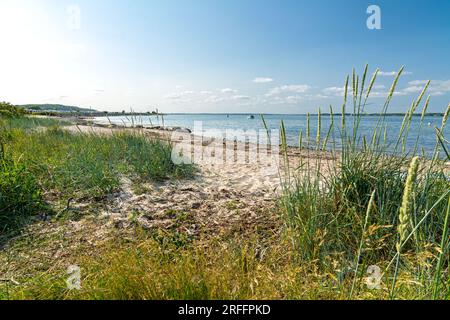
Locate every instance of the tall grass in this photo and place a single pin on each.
(30, 122)
(327, 213)
(20, 195)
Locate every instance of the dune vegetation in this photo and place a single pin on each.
(38, 156)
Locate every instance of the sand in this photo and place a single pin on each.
(219, 199)
(222, 198)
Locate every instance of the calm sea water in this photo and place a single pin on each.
(293, 124)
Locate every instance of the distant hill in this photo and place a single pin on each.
(54, 108)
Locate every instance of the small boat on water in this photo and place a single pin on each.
(251, 117)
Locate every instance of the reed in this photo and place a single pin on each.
(319, 128)
(405, 215)
(405, 220)
(363, 233)
(308, 129)
(443, 248)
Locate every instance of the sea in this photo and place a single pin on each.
(217, 125)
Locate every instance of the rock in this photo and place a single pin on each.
(118, 224)
(196, 205)
(183, 130)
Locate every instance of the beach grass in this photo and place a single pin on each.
(40, 159)
(406, 229)
(31, 123)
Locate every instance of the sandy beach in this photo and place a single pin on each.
(220, 199)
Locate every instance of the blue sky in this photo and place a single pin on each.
(218, 55)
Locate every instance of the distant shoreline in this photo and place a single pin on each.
(120, 114)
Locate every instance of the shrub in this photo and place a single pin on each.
(20, 195)
(10, 111)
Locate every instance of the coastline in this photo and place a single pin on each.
(219, 204)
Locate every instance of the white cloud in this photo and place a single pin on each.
(318, 96)
(228, 91)
(377, 90)
(213, 99)
(293, 99)
(206, 96)
(172, 96)
(437, 87)
(240, 97)
(413, 89)
(336, 91)
(179, 96)
(298, 88)
(418, 82)
(262, 80)
(392, 73)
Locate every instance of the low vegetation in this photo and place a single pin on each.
(40, 160)
(20, 195)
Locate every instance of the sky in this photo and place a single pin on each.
(224, 56)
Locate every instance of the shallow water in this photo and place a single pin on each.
(216, 124)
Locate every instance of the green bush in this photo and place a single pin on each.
(20, 195)
(9, 111)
